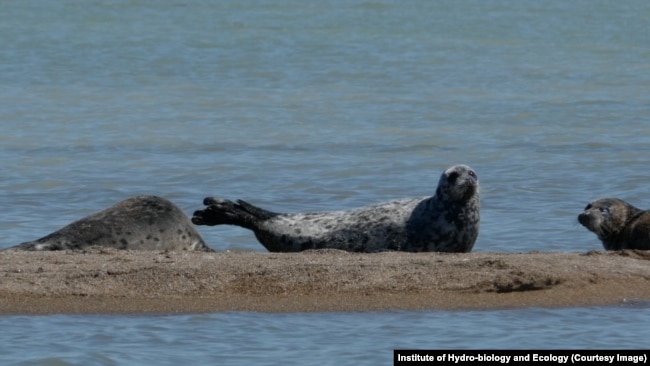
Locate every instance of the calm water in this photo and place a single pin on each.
(301, 339)
(300, 106)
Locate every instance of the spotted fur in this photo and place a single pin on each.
(141, 222)
(446, 222)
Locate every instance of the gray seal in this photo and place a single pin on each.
(446, 222)
(618, 224)
(141, 222)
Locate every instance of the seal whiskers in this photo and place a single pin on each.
(448, 221)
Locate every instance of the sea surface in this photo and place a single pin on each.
(329, 105)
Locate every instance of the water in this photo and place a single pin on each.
(300, 106)
(299, 339)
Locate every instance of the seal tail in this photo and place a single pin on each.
(226, 212)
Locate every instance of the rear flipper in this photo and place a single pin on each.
(226, 212)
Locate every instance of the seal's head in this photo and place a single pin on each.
(606, 218)
(458, 183)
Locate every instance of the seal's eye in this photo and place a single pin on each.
(603, 210)
(452, 177)
(588, 207)
(472, 173)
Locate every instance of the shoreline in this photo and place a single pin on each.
(110, 281)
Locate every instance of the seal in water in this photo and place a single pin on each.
(141, 222)
(446, 222)
(617, 224)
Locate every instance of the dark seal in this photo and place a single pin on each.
(617, 224)
(141, 222)
(446, 222)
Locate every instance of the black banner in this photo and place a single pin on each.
(540, 357)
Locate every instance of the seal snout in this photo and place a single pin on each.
(453, 177)
(591, 216)
(585, 219)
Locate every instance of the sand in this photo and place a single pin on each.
(109, 281)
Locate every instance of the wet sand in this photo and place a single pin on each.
(108, 281)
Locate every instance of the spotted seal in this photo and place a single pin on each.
(141, 222)
(617, 224)
(446, 222)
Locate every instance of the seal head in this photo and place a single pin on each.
(448, 221)
(618, 224)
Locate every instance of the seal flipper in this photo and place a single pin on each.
(226, 212)
(260, 213)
